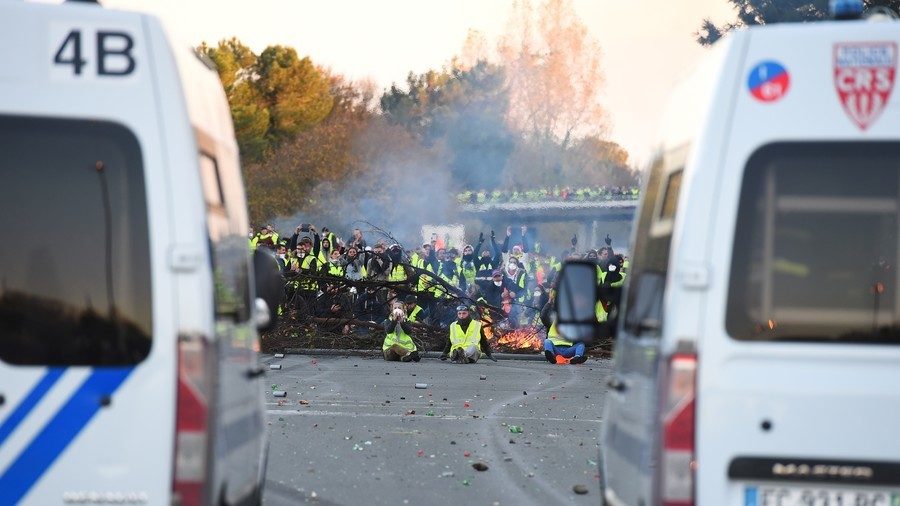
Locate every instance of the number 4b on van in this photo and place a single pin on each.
(124, 376)
(757, 360)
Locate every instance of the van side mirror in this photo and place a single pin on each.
(269, 288)
(576, 301)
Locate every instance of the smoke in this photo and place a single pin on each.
(396, 185)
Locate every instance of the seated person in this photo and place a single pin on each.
(466, 340)
(398, 344)
(557, 349)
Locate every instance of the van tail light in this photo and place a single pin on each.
(192, 422)
(677, 465)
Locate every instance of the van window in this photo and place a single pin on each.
(75, 269)
(670, 200)
(815, 248)
(209, 178)
(643, 307)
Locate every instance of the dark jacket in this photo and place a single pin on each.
(493, 294)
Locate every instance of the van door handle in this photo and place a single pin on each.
(616, 385)
(255, 372)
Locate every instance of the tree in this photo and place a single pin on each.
(297, 93)
(761, 12)
(235, 63)
(553, 71)
(272, 96)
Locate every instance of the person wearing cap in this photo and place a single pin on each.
(398, 344)
(492, 291)
(397, 272)
(414, 312)
(466, 341)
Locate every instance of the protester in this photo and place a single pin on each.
(501, 287)
(466, 340)
(398, 344)
(557, 347)
(357, 240)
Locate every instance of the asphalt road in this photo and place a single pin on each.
(346, 433)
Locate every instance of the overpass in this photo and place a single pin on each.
(596, 218)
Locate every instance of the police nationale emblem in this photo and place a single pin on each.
(864, 75)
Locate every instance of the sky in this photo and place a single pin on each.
(648, 45)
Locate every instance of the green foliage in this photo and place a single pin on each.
(761, 12)
(292, 88)
(272, 96)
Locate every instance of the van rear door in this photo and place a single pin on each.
(798, 399)
(87, 337)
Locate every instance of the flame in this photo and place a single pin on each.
(521, 339)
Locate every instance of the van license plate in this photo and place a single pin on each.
(818, 496)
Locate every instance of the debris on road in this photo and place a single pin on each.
(480, 466)
(465, 482)
(580, 489)
(524, 392)
(515, 429)
(279, 393)
(410, 412)
(420, 453)
(483, 377)
(421, 386)
(448, 474)
(279, 355)
(275, 367)
(466, 453)
(430, 413)
(303, 402)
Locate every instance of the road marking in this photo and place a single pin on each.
(313, 412)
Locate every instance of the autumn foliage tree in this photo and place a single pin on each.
(524, 114)
(273, 95)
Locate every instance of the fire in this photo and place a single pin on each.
(521, 339)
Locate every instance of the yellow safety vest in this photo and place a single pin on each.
(414, 314)
(462, 340)
(520, 280)
(306, 267)
(398, 273)
(335, 270)
(398, 337)
(557, 340)
(469, 272)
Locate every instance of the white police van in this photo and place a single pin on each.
(128, 345)
(758, 357)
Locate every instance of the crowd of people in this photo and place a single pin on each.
(562, 194)
(468, 290)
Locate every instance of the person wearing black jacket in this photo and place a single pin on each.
(484, 262)
(466, 340)
(492, 291)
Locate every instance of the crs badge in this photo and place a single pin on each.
(864, 74)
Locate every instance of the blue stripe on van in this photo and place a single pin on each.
(30, 401)
(53, 439)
